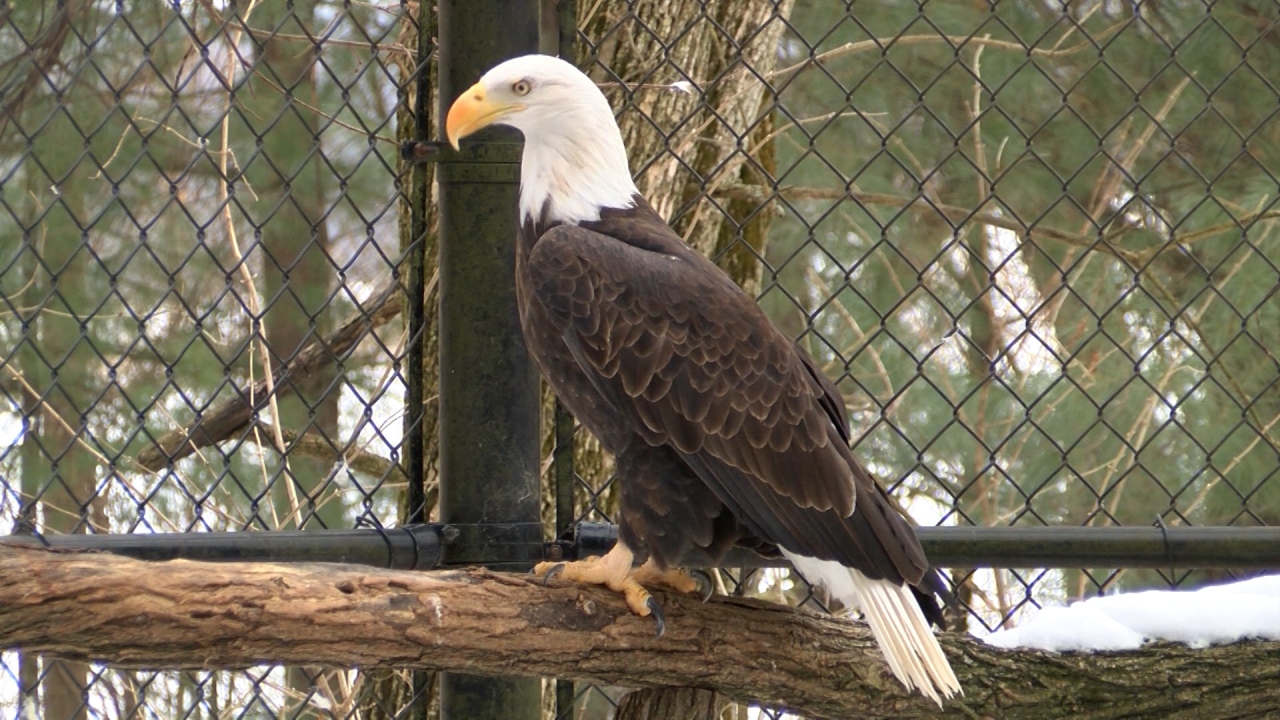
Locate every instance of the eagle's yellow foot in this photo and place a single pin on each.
(683, 581)
(614, 572)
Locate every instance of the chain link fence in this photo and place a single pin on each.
(1034, 243)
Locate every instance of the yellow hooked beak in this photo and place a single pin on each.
(472, 111)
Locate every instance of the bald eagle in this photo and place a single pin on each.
(724, 431)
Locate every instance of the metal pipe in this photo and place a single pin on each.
(414, 547)
(489, 436)
(414, 447)
(1103, 547)
(418, 547)
(1244, 548)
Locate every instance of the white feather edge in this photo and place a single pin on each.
(900, 629)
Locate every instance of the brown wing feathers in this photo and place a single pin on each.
(695, 364)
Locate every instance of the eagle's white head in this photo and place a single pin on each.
(574, 162)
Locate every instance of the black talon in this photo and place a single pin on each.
(706, 587)
(656, 610)
(554, 571)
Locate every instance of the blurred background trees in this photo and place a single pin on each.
(1039, 248)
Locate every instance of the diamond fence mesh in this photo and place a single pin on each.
(1034, 243)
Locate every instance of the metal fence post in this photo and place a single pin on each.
(488, 385)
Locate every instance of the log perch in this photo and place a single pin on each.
(192, 615)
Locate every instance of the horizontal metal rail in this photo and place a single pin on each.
(415, 547)
(419, 546)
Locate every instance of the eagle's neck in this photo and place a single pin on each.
(575, 167)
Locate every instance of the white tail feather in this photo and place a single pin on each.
(896, 621)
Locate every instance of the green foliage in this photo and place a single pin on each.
(1053, 272)
(121, 210)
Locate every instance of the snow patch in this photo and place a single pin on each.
(1078, 627)
(1209, 616)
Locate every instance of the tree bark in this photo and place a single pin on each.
(184, 614)
(686, 145)
(674, 703)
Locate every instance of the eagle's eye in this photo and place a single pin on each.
(521, 87)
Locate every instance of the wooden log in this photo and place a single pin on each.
(183, 614)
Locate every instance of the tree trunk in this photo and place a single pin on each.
(295, 276)
(183, 614)
(675, 703)
(295, 273)
(685, 145)
(386, 693)
(56, 354)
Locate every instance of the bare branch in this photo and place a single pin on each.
(879, 45)
(953, 213)
(315, 445)
(43, 55)
(233, 415)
